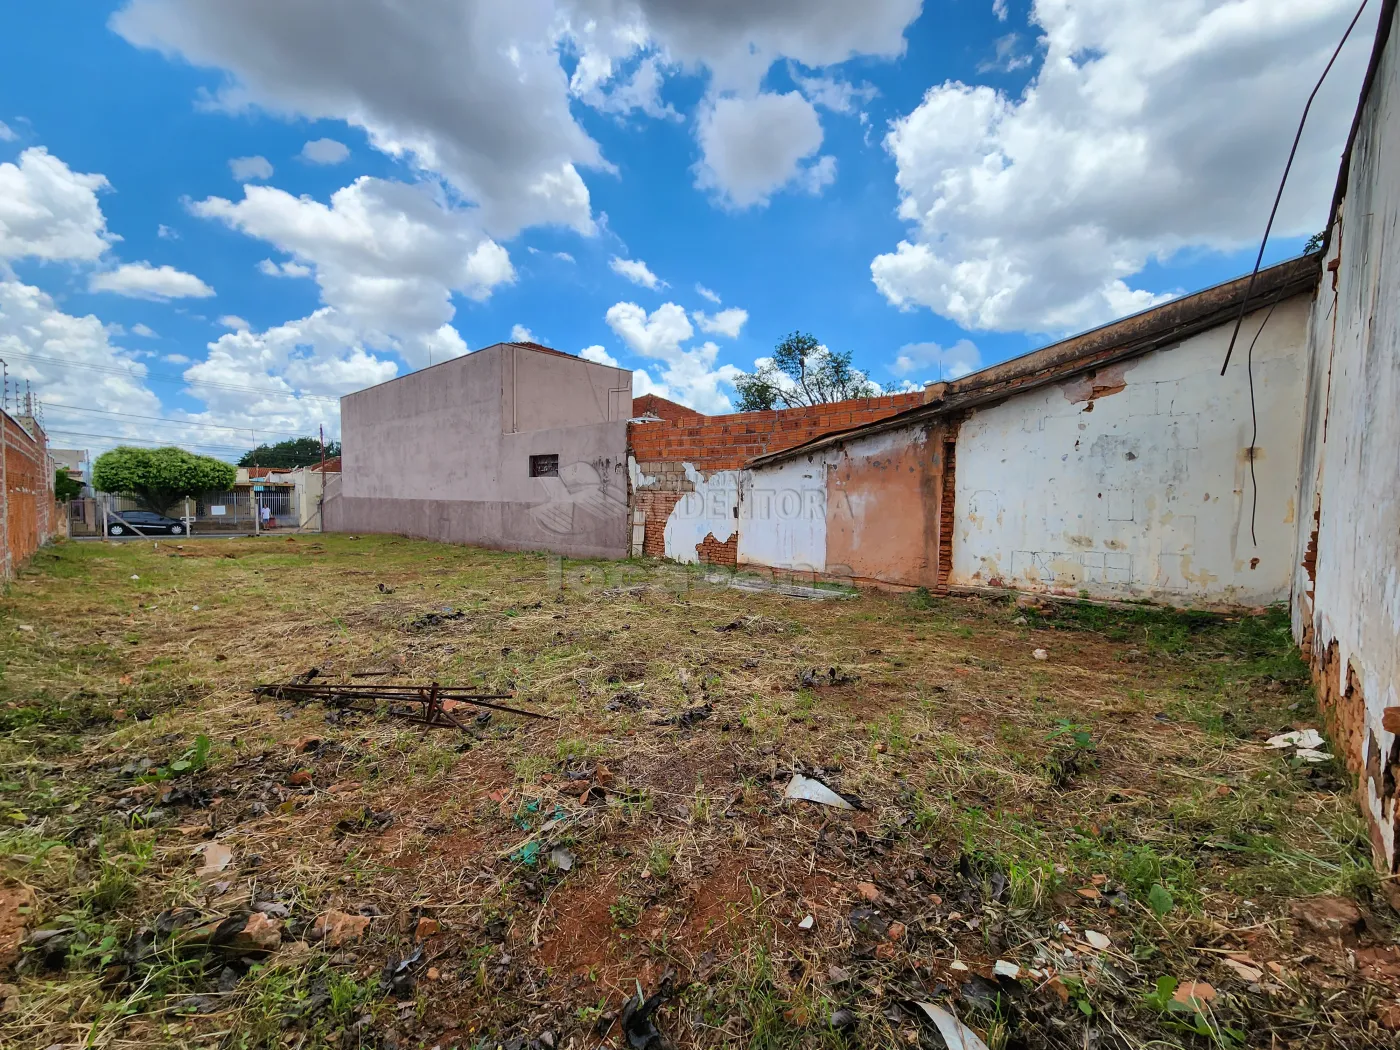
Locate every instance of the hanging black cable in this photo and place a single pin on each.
(1254, 417)
(1273, 212)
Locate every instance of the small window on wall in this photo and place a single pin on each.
(545, 466)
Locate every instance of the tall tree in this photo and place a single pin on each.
(295, 452)
(157, 478)
(801, 372)
(64, 487)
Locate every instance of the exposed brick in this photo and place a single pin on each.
(713, 552)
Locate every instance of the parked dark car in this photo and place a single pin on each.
(143, 523)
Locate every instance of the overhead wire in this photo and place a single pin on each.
(1273, 212)
(170, 377)
(1254, 274)
(167, 419)
(124, 438)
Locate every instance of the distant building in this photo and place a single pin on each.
(77, 462)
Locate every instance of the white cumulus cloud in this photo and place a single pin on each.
(246, 169)
(705, 293)
(598, 355)
(690, 376)
(637, 272)
(288, 268)
(387, 256)
(520, 334)
(141, 280)
(1149, 128)
(145, 331)
(48, 211)
(933, 361)
(727, 323)
(324, 151)
(753, 147)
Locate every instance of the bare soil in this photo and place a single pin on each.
(1093, 850)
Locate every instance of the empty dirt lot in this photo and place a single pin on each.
(1094, 849)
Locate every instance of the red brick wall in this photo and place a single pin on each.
(651, 405)
(711, 443)
(31, 517)
(728, 442)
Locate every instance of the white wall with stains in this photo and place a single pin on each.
(783, 516)
(711, 509)
(1135, 483)
(1351, 470)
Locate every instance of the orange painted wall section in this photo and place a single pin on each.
(881, 515)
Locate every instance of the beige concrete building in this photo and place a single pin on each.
(515, 446)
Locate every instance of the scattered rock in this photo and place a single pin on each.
(843, 1020)
(896, 931)
(259, 936)
(868, 891)
(1098, 940)
(336, 929)
(1244, 971)
(1041, 654)
(1332, 916)
(217, 857)
(299, 779)
(12, 921)
(807, 923)
(1199, 991)
(1005, 968)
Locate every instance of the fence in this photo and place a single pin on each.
(212, 512)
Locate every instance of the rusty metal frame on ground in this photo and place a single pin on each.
(430, 705)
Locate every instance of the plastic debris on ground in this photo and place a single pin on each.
(1308, 738)
(808, 790)
(955, 1034)
(637, 1023)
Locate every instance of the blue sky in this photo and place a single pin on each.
(932, 186)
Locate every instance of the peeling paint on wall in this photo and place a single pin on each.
(1129, 482)
(710, 510)
(1346, 608)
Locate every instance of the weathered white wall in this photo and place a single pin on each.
(711, 509)
(1142, 491)
(783, 515)
(1351, 465)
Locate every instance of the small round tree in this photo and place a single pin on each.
(158, 477)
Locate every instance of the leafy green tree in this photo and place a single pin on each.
(295, 452)
(801, 372)
(157, 478)
(64, 487)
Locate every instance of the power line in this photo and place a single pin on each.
(170, 377)
(124, 438)
(1273, 212)
(166, 419)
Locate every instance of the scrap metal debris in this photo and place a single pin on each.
(811, 677)
(808, 790)
(955, 1034)
(429, 705)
